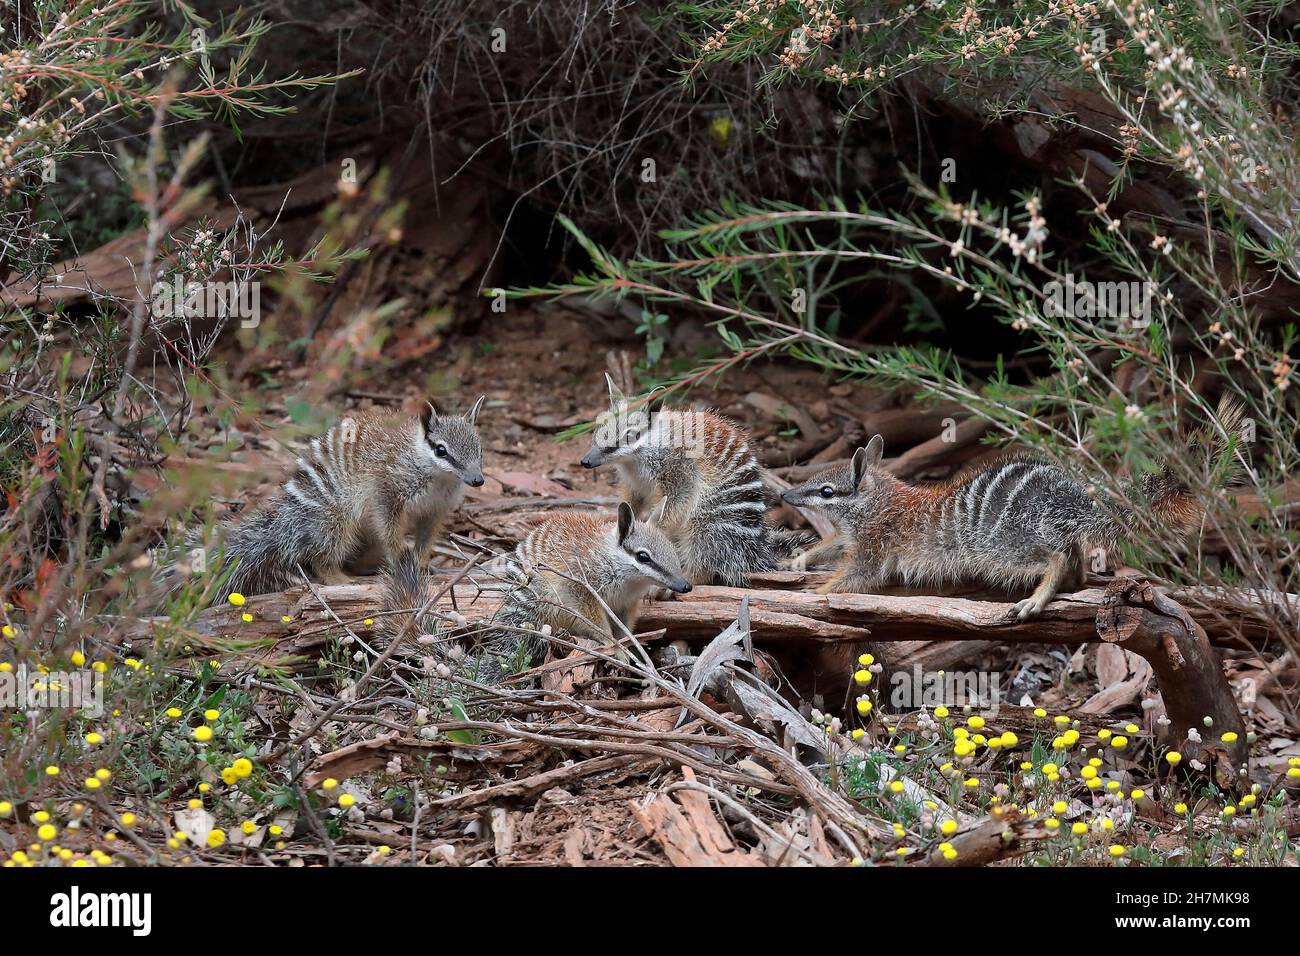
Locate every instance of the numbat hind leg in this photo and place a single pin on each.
(1032, 606)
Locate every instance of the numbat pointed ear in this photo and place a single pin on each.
(429, 417)
(626, 518)
(616, 397)
(864, 459)
(472, 415)
(875, 451)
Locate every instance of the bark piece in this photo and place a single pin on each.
(690, 834)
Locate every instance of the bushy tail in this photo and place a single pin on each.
(256, 556)
(494, 657)
(261, 549)
(786, 542)
(501, 653)
(1168, 497)
(406, 588)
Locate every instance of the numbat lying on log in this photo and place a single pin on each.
(1008, 524)
(353, 497)
(699, 467)
(574, 562)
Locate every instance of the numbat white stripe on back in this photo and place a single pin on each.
(1009, 524)
(697, 466)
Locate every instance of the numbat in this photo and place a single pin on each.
(698, 468)
(1010, 524)
(355, 494)
(581, 568)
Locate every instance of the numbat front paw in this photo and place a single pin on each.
(1029, 607)
(799, 562)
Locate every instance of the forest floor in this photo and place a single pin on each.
(596, 769)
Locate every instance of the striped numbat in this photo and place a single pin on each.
(697, 466)
(354, 496)
(1012, 523)
(574, 571)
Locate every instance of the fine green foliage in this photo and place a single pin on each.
(1124, 331)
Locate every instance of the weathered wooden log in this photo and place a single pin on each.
(1198, 700)
(994, 838)
(779, 615)
(1130, 612)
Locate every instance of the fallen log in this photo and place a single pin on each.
(1198, 700)
(779, 614)
(1163, 627)
(997, 838)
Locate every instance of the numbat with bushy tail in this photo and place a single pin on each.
(697, 466)
(354, 496)
(1009, 524)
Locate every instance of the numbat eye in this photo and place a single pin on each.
(643, 556)
(440, 450)
(828, 491)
